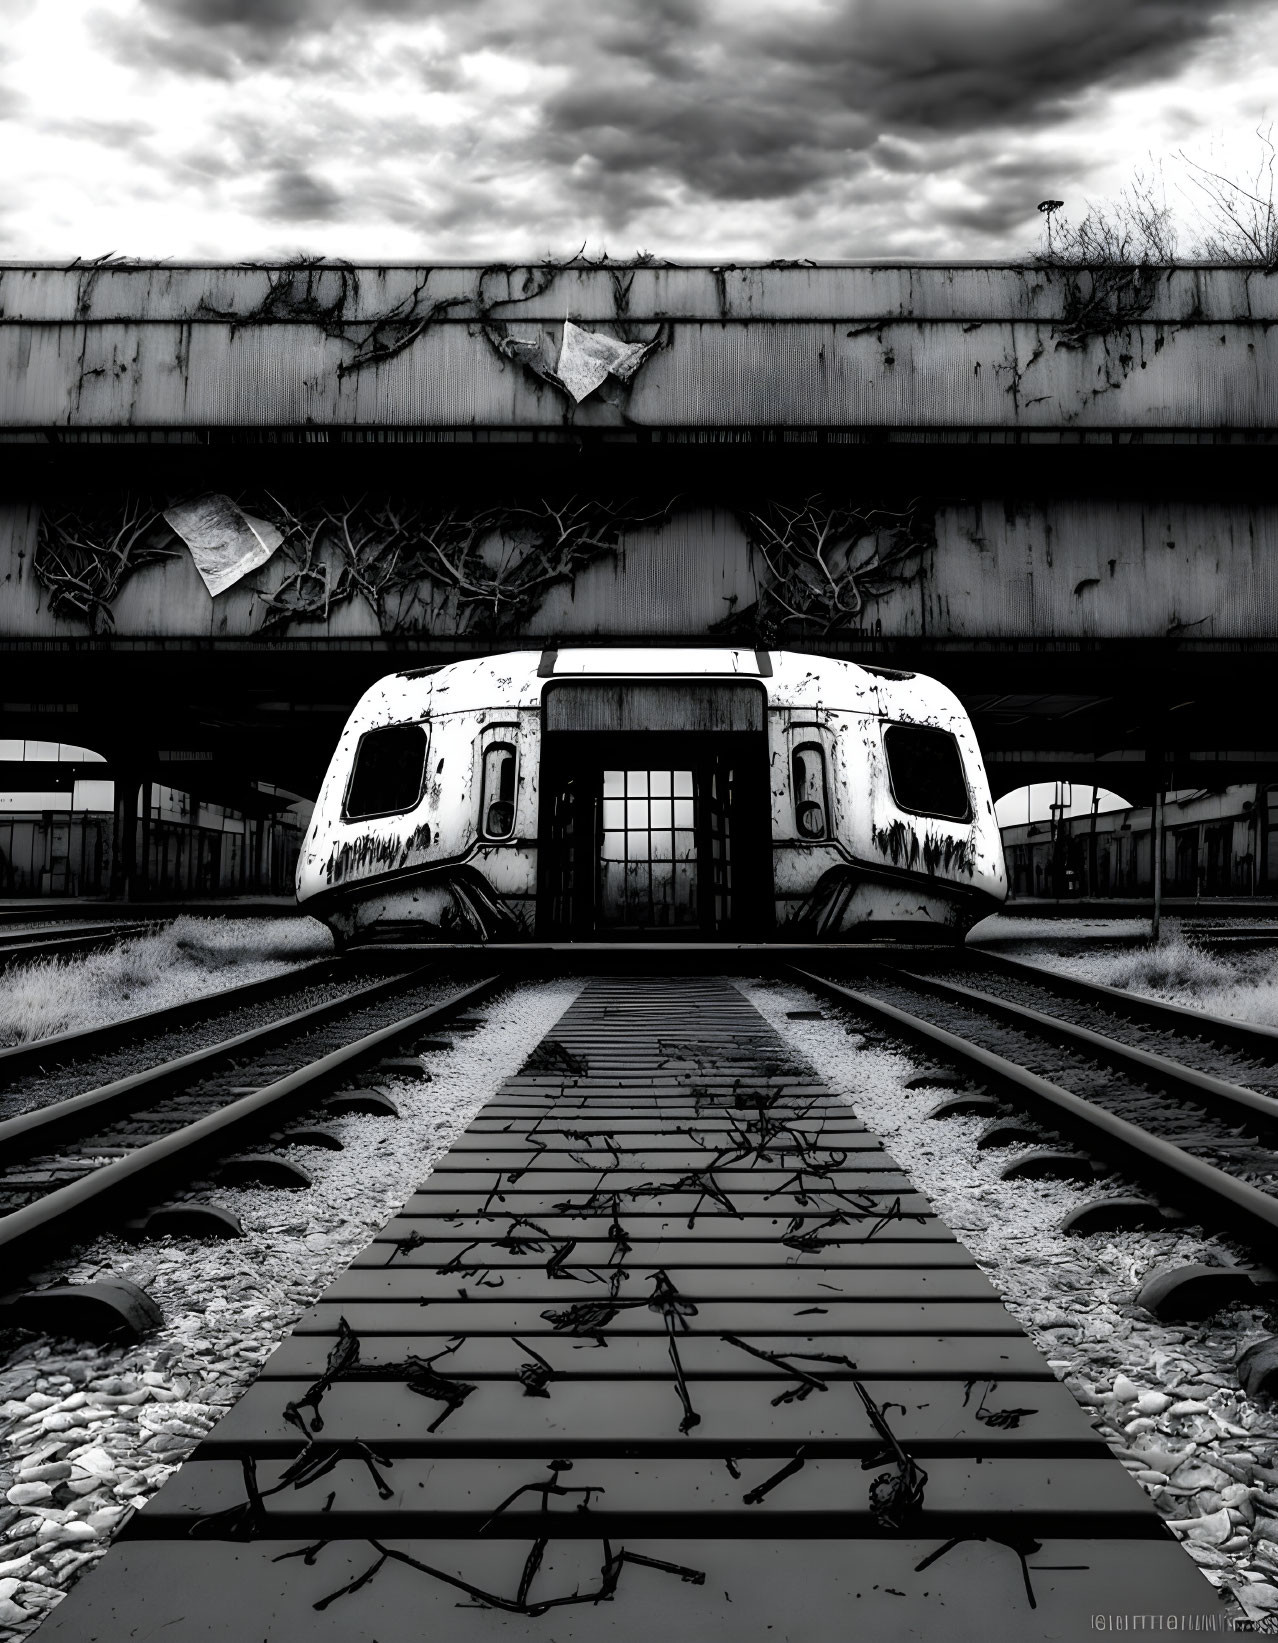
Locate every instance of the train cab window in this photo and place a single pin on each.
(811, 802)
(497, 802)
(387, 778)
(926, 772)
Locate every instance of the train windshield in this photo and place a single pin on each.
(926, 772)
(388, 771)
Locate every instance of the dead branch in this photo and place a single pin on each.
(86, 551)
(491, 567)
(823, 562)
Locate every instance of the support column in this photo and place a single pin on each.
(1091, 845)
(124, 833)
(1156, 841)
(143, 880)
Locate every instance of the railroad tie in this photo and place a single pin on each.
(666, 1331)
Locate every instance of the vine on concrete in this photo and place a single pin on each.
(296, 294)
(312, 291)
(820, 562)
(479, 569)
(86, 551)
(487, 568)
(1101, 298)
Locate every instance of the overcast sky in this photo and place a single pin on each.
(421, 129)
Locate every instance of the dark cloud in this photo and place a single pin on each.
(759, 111)
(280, 16)
(641, 112)
(126, 134)
(186, 53)
(267, 15)
(933, 65)
(992, 217)
(218, 38)
(297, 195)
(728, 149)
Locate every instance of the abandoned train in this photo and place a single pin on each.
(722, 794)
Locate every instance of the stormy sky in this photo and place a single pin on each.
(422, 129)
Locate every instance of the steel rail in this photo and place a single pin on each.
(39, 1054)
(1156, 1012)
(32, 950)
(31, 1129)
(1245, 1209)
(60, 1213)
(1181, 1080)
(50, 935)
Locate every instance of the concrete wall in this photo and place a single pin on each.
(833, 347)
(1062, 570)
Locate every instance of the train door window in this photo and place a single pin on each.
(811, 799)
(648, 849)
(497, 801)
(387, 776)
(925, 769)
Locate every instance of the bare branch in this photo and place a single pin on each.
(816, 579)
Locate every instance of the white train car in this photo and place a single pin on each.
(605, 795)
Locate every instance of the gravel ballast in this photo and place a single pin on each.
(87, 1434)
(1165, 1397)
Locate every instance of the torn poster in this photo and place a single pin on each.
(586, 358)
(225, 542)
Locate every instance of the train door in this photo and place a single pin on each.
(654, 812)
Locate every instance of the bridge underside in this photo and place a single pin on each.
(1074, 526)
(212, 718)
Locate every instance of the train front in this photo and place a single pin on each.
(883, 821)
(426, 825)
(661, 794)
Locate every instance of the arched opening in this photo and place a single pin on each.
(55, 818)
(1069, 839)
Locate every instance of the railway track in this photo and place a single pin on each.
(1185, 1101)
(666, 1329)
(64, 1063)
(68, 941)
(110, 1148)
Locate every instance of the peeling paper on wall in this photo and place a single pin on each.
(586, 358)
(225, 542)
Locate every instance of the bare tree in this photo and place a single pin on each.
(1223, 219)
(1137, 228)
(1242, 223)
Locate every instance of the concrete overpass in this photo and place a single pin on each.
(1052, 488)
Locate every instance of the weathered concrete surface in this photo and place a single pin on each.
(833, 347)
(954, 291)
(1070, 569)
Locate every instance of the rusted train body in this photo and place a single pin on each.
(606, 795)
